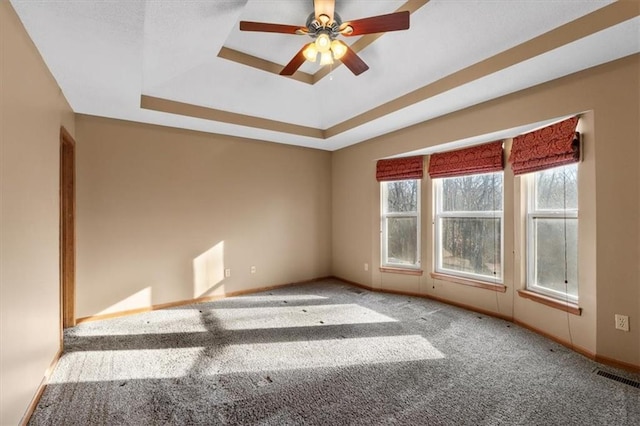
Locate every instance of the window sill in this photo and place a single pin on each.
(404, 271)
(466, 281)
(572, 308)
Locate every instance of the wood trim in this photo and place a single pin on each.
(67, 229)
(400, 292)
(43, 385)
(466, 281)
(572, 346)
(119, 314)
(404, 271)
(579, 349)
(618, 364)
(429, 296)
(353, 283)
(569, 307)
(471, 308)
(191, 301)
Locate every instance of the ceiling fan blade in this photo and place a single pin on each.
(377, 24)
(324, 7)
(352, 61)
(295, 63)
(264, 27)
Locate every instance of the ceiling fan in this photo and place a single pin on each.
(324, 25)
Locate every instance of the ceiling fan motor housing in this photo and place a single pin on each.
(332, 28)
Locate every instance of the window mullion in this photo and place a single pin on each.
(472, 214)
(402, 214)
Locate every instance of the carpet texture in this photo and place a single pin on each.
(325, 353)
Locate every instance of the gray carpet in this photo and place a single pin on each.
(325, 353)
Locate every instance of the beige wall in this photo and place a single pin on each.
(162, 212)
(32, 109)
(608, 97)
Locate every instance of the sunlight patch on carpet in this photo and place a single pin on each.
(271, 298)
(187, 320)
(325, 353)
(95, 366)
(297, 316)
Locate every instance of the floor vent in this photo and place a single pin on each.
(619, 379)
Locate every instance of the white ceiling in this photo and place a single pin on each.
(106, 54)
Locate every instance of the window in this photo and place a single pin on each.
(552, 233)
(401, 223)
(468, 226)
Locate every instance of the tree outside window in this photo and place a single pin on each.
(552, 233)
(401, 223)
(468, 237)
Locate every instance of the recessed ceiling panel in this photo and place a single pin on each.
(107, 55)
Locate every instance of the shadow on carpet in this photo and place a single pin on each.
(325, 353)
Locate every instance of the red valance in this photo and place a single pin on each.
(483, 158)
(552, 146)
(399, 168)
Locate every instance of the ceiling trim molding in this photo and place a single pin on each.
(303, 77)
(196, 111)
(608, 16)
(262, 64)
(603, 18)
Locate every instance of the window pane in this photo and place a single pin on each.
(402, 240)
(402, 196)
(549, 252)
(472, 193)
(557, 186)
(472, 245)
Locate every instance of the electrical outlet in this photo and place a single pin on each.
(366, 266)
(227, 273)
(622, 322)
(253, 269)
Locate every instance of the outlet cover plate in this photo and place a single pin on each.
(622, 322)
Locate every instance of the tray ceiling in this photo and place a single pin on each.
(186, 64)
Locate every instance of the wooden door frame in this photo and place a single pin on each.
(67, 230)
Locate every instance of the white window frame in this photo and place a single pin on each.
(437, 242)
(384, 227)
(533, 214)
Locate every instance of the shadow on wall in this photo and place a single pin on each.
(208, 271)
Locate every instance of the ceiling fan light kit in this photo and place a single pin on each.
(328, 49)
(324, 26)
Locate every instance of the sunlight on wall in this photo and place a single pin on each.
(141, 299)
(208, 271)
